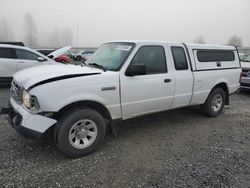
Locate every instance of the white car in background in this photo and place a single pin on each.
(14, 58)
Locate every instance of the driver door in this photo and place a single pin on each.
(148, 93)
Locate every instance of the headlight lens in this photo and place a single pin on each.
(26, 99)
(30, 102)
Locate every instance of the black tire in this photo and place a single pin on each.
(207, 107)
(66, 122)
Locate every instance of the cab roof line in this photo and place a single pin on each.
(60, 78)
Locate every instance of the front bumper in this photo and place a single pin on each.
(27, 124)
(245, 83)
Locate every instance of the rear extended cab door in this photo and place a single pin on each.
(183, 74)
(143, 94)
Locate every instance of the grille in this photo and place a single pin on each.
(15, 91)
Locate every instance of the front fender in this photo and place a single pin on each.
(53, 99)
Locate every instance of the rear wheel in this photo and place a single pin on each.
(79, 132)
(214, 103)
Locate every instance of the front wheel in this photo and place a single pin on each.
(79, 132)
(214, 103)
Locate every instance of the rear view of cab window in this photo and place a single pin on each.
(179, 56)
(215, 55)
(7, 53)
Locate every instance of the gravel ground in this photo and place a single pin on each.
(179, 148)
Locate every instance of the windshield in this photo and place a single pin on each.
(111, 56)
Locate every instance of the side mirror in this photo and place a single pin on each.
(51, 56)
(136, 69)
(40, 59)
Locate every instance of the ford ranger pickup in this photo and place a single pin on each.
(121, 80)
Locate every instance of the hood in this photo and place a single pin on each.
(245, 65)
(47, 73)
(55, 54)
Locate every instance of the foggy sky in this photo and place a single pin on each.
(104, 20)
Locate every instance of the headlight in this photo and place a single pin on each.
(26, 99)
(30, 102)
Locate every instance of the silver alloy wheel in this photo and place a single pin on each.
(83, 133)
(217, 102)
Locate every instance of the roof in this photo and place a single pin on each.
(24, 48)
(12, 46)
(190, 45)
(13, 43)
(210, 46)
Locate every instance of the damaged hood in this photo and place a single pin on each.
(46, 73)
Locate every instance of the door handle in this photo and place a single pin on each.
(20, 62)
(166, 80)
(218, 64)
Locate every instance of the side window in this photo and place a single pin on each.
(179, 56)
(24, 54)
(7, 53)
(215, 55)
(153, 57)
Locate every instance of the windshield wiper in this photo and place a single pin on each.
(98, 66)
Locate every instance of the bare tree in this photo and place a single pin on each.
(55, 39)
(6, 33)
(235, 41)
(30, 29)
(62, 37)
(199, 40)
(67, 36)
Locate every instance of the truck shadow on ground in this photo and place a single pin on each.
(4, 86)
(176, 117)
(244, 92)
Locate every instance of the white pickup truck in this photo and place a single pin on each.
(122, 80)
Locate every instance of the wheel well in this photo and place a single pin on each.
(91, 104)
(223, 86)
